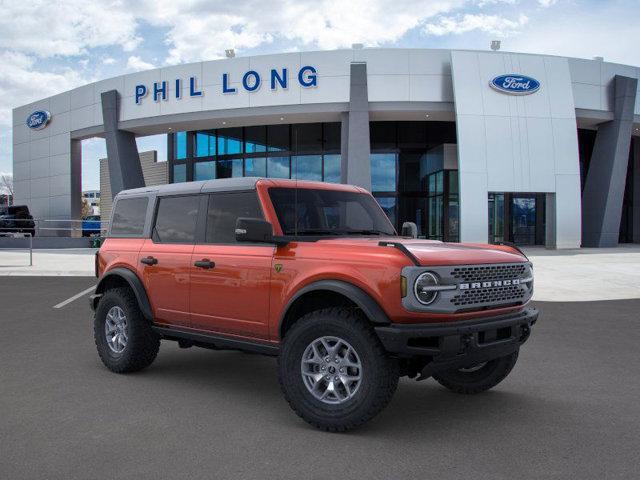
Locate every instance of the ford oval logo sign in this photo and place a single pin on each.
(38, 119)
(515, 84)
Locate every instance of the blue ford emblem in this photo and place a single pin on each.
(515, 84)
(38, 119)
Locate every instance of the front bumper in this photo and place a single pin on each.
(459, 344)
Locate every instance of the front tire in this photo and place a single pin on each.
(333, 370)
(478, 378)
(124, 338)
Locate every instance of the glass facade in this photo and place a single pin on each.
(309, 151)
(409, 177)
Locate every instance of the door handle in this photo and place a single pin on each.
(149, 260)
(204, 263)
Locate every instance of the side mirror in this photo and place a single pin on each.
(409, 229)
(254, 230)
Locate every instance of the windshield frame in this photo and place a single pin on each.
(380, 220)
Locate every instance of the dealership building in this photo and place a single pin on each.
(473, 146)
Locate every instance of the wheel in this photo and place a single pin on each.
(478, 378)
(124, 338)
(333, 370)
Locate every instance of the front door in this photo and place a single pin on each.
(523, 219)
(165, 259)
(230, 281)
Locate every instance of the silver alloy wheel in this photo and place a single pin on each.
(116, 329)
(474, 368)
(331, 370)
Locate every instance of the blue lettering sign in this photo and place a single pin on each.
(515, 84)
(253, 85)
(310, 80)
(225, 84)
(275, 77)
(192, 88)
(157, 90)
(141, 92)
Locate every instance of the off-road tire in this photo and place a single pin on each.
(480, 380)
(142, 344)
(379, 372)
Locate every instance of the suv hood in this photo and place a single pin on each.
(433, 252)
(439, 253)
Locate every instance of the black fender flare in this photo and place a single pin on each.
(362, 299)
(133, 281)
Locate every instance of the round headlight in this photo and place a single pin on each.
(422, 288)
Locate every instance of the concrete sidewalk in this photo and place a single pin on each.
(64, 262)
(586, 274)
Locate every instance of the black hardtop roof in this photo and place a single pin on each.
(206, 186)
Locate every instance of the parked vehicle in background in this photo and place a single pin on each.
(17, 219)
(315, 274)
(91, 226)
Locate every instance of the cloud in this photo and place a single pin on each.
(72, 27)
(491, 24)
(547, 3)
(108, 61)
(325, 24)
(135, 63)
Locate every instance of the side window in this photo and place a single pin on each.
(176, 219)
(224, 209)
(128, 216)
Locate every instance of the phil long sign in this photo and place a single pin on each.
(515, 84)
(250, 81)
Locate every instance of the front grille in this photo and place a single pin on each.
(495, 295)
(482, 273)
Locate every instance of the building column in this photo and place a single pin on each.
(356, 147)
(125, 171)
(636, 190)
(604, 186)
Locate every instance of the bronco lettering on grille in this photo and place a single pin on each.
(494, 283)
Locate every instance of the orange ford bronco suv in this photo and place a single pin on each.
(316, 275)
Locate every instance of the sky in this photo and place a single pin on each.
(47, 47)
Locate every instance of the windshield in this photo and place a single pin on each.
(328, 212)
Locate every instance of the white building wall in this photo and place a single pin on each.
(509, 143)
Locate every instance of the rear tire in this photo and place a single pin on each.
(471, 381)
(351, 341)
(131, 344)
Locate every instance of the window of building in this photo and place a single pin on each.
(204, 170)
(229, 141)
(255, 139)
(255, 167)
(176, 219)
(180, 146)
(307, 167)
(223, 212)
(229, 168)
(278, 137)
(278, 167)
(332, 168)
(259, 151)
(205, 144)
(179, 172)
(129, 216)
(383, 172)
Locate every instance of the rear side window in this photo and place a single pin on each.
(224, 209)
(128, 216)
(176, 219)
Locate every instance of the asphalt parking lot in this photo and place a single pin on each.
(569, 409)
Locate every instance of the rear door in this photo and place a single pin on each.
(165, 258)
(230, 281)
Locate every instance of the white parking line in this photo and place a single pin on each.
(75, 297)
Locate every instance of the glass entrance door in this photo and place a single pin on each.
(523, 219)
